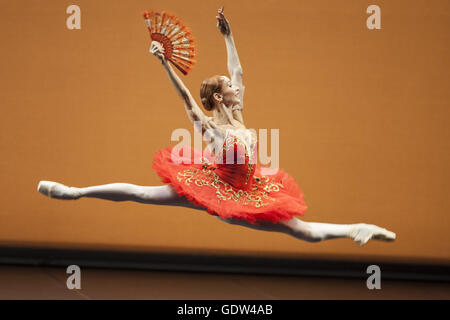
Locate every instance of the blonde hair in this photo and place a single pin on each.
(208, 88)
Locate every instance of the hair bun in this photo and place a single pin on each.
(207, 89)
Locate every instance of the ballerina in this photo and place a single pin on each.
(236, 193)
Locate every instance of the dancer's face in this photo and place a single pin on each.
(230, 93)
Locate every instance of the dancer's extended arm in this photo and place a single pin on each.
(233, 63)
(193, 110)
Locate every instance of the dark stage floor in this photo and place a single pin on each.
(28, 282)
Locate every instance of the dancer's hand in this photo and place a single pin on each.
(157, 49)
(222, 23)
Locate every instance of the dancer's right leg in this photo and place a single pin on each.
(315, 231)
(162, 195)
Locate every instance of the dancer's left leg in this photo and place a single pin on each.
(162, 195)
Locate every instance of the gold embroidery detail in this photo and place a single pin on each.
(206, 176)
(249, 171)
(260, 190)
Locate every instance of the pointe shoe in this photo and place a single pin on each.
(361, 233)
(58, 191)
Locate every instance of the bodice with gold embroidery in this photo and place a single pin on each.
(236, 162)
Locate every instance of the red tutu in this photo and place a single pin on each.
(230, 189)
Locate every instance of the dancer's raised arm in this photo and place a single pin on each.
(193, 110)
(233, 63)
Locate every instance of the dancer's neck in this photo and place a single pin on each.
(223, 115)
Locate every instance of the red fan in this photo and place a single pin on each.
(174, 36)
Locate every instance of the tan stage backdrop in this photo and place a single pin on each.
(363, 118)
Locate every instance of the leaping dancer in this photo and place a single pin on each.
(236, 193)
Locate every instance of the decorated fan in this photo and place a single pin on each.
(174, 36)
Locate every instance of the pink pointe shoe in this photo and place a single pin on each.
(58, 191)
